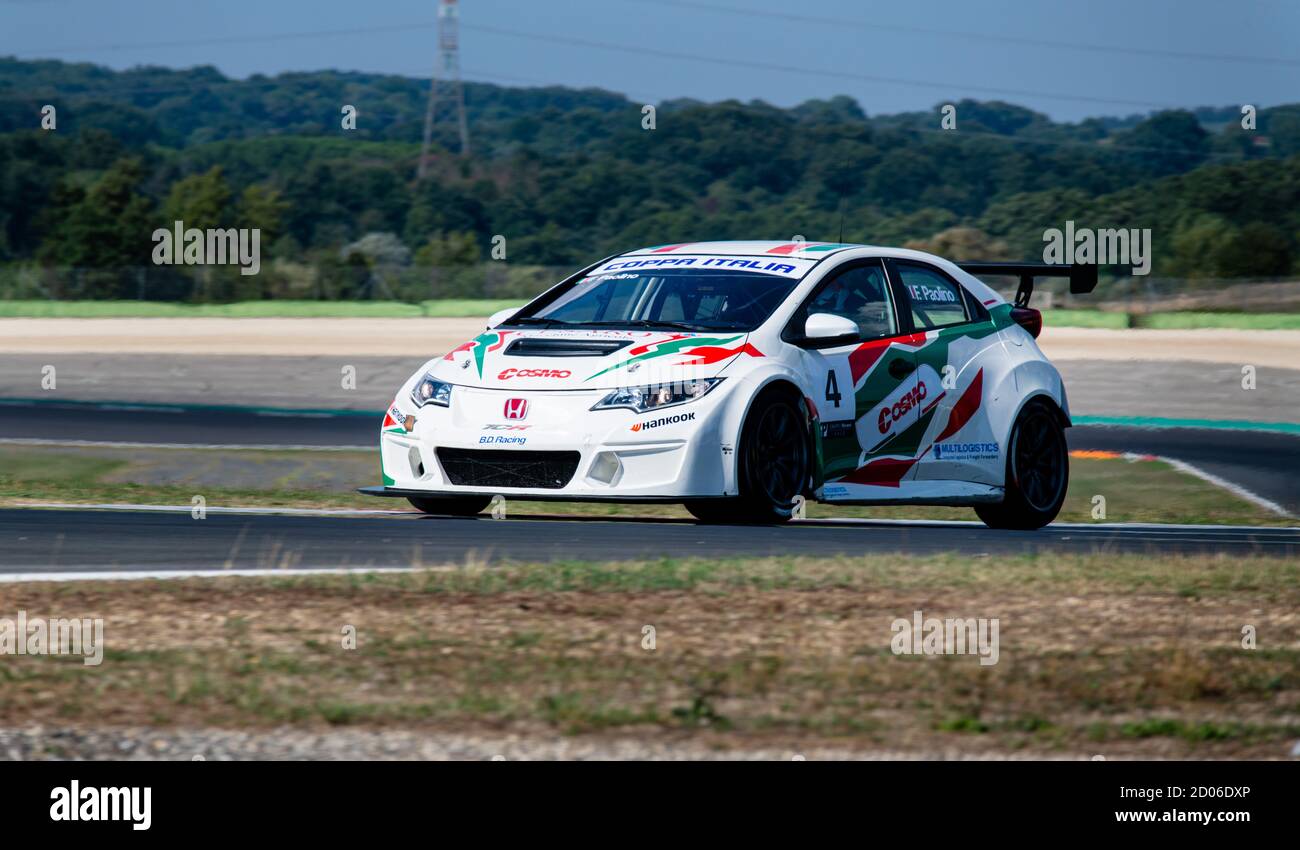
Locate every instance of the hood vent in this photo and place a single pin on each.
(550, 347)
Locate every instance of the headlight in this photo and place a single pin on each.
(657, 396)
(431, 391)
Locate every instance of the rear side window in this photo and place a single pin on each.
(936, 301)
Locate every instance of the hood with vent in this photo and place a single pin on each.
(575, 359)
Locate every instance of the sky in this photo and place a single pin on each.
(1069, 60)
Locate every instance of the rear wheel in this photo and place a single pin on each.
(452, 506)
(1038, 472)
(772, 467)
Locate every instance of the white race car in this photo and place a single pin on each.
(740, 378)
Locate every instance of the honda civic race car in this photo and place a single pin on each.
(740, 378)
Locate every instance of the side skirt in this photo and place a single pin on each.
(946, 493)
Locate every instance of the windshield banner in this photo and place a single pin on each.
(783, 267)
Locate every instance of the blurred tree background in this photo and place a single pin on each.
(568, 176)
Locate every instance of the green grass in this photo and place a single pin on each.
(448, 308)
(1210, 578)
(57, 469)
(1171, 321)
(1084, 319)
(1242, 321)
(467, 308)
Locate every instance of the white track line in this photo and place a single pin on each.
(945, 523)
(1056, 526)
(211, 509)
(112, 444)
(138, 575)
(1235, 489)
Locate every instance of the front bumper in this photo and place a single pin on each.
(561, 450)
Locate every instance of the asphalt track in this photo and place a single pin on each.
(51, 542)
(1263, 462)
(60, 541)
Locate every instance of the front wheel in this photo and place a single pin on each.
(451, 506)
(1038, 472)
(772, 467)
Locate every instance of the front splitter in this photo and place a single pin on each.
(404, 493)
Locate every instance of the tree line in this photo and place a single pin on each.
(567, 176)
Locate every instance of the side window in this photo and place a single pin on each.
(861, 294)
(936, 301)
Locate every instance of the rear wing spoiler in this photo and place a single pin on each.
(1083, 277)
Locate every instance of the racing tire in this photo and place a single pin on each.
(772, 467)
(455, 506)
(1038, 472)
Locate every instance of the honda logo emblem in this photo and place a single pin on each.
(516, 408)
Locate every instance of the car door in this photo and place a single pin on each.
(960, 337)
(862, 387)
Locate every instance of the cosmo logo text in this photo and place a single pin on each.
(75, 803)
(932, 636)
(900, 410)
(23, 635)
(533, 373)
(896, 411)
(212, 247)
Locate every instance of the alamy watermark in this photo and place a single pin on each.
(932, 636)
(23, 635)
(230, 246)
(1104, 247)
(76, 802)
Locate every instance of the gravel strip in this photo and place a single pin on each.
(137, 744)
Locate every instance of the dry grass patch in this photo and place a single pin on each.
(1127, 655)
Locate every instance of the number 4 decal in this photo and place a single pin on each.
(833, 388)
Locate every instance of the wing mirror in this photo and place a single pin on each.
(500, 316)
(829, 329)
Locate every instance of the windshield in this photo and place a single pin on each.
(686, 299)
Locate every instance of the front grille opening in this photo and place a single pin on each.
(507, 468)
(545, 347)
